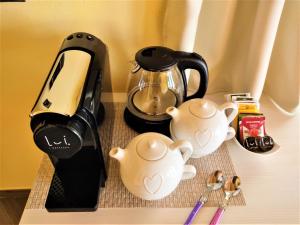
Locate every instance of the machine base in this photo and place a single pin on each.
(142, 126)
(76, 185)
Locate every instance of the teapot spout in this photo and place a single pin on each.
(173, 112)
(117, 153)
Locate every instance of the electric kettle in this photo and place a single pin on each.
(158, 81)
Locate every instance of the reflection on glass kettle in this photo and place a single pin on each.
(157, 82)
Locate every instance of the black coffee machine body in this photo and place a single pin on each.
(64, 122)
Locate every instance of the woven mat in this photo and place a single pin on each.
(114, 132)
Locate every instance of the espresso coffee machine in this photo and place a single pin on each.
(64, 122)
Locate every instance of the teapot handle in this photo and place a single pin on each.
(233, 113)
(189, 171)
(193, 60)
(230, 133)
(185, 147)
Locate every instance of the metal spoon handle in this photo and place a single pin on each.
(217, 217)
(194, 212)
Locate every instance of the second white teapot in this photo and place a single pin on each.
(203, 123)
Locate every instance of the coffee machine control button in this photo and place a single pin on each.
(90, 37)
(59, 141)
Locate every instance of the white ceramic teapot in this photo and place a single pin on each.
(203, 123)
(152, 165)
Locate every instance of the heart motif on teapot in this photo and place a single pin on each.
(203, 137)
(153, 184)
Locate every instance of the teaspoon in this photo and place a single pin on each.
(231, 189)
(214, 182)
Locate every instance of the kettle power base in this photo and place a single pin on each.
(141, 125)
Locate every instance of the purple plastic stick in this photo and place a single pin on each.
(217, 217)
(194, 212)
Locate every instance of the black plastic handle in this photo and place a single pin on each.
(193, 61)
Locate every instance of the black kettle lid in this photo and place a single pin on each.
(155, 58)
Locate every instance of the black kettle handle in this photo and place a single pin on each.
(193, 61)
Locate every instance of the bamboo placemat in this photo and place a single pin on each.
(114, 132)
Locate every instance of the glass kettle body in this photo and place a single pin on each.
(150, 93)
(158, 81)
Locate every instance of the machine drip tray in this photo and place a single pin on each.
(74, 186)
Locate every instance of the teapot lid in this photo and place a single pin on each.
(155, 58)
(202, 108)
(151, 149)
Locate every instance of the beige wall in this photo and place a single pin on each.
(31, 34)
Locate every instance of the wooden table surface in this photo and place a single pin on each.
(270, 184)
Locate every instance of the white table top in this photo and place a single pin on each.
(270, 184)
